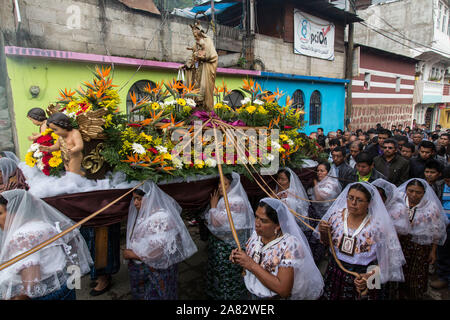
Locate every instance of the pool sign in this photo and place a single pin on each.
(313, 36)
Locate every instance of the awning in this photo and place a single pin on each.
(203, 10)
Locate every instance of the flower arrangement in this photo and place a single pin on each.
(50, 163)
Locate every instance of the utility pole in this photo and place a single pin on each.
(349, 67)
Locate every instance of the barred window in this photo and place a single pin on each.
(315, 108)
(233, 99)
(298, 99)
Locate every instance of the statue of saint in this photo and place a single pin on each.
(70, 142)
(201, 67)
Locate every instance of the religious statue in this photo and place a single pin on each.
(201, 67)
(70, 142)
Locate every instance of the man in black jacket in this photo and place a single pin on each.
(345, 173)
(391, 164)
(377, 148)
(417, 164)
(365, 170)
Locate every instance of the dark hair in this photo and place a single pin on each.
(319, 129)
(446, 173)
(364, 157)
(385, 131)
(434, 136)
(335, 142)
(270, 212)
(399, 138)
(427, 145)
(340, 149)
(382, 192)
(37, 114)
(229, 177)
(3, 201)
(433, 164)
(371, 130)
(286, 172)
(446, 134)
(360, 187)
(415, 182)
(139, 192)
(61, 120)
(410, 146)
(326, 164)
(391, 141)
(357, 143)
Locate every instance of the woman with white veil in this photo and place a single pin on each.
(326, 189)
(362, 235)
(428, 230)
(11, 177)
(291, 192)
(395, 205)
(278, 260)
(26, 222)
(224, 279)
(9, 155)
(157, 240)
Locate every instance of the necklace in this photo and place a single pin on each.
(347, 245)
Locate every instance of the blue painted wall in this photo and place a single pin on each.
(332, 96)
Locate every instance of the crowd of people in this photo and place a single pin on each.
(377, 213)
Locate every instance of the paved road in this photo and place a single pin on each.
(191, 278)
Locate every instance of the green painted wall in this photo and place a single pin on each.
(51, 76)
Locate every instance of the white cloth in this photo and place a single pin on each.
(430, 221)
(327, 189)
(12, 156)
(293, 196)
(293, 251)
(241, 213)
(30, 222)
(157, 234)
(378, 238)
(7, 168)
(395, 206)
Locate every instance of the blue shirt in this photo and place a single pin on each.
(446, 200)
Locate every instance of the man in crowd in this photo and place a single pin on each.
(407, 150)
(391, 164)
(443, 147)
(334, 143)
(365, 170)
(355, 148)
(401, 140)
(417, 164)
(320, 137)
(417, 138)
(345, 173)
(433, 173)
(377, 148)
(364, 139)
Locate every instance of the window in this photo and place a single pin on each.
(139, 90)
(315, 108)
(298, 99)
(233, 99)
(397, 84)
(439, 13)
(367, 81)
(444, 20)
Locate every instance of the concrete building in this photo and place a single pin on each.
(383, 89)
(418, 29)
(46, 46)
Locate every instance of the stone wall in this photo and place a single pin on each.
(367, 116)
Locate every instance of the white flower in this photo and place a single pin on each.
(161, 149)
(38, 154)
(270, 157)
(70, 115)
(161, 104)
(40, 164)
(257, 101)
(276, 146)
(245, 100)
(211, 163)
(34, 147)
(190, 102)
(138, 148)
(177, 163)
(290, 142)
(170, 103)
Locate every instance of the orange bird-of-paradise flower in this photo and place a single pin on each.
(131, 159)
(66, 94)
(289, 101)
(248, 85)
(278, 93)
(104, 72)
(269, 98)
(133, 97)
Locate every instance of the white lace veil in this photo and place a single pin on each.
(329, 188)
(7, 167)
(388, 250)
(308, 282)
(430, 220)
(30, 222)
(12, 156)
(156, 233)
(395, 206)
(241, 212)
(296, 191)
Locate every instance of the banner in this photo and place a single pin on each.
(313, 36)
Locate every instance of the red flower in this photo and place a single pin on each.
(44, 139)
(46, 170)
(286, 146)
(269, 149)
(153, 150)
(287, 127)
(134, 125)
(46, 158)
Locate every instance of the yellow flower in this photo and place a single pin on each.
(262, 110)
(250, 109)
(281, 150)
(108, 120)
(283, 137)
(56, 154)
(29, 160)
(55, 136)
(187, 109)
(54, 162)
(199, 164)
(181, 102)
(46, 132)
(147, 137)
(155, 106)
(218, 106)
(167, 156)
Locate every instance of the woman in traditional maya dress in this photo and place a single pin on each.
(224, 279)
(428, 230)
(26, 222)
(278, 260)
(363, 236)
(326, 188)
(157, 240)
(39, 118)
(290, 190)
(11, 177)
(69, 142)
